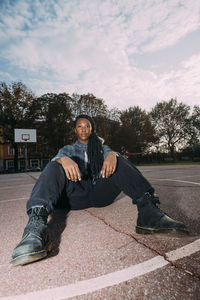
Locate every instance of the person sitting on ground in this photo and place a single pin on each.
(88, 174)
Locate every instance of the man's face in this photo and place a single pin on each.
(83, 130)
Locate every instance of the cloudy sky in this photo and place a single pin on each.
(127, 52)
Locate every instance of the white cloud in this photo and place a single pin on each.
(186, 79)
(85, 46)
(172, 23)
(7, 76)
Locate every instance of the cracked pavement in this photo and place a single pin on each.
(96, 252)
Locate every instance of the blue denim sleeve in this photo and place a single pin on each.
(65, 151)
(106, 150)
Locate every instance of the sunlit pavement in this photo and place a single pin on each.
(96, 252)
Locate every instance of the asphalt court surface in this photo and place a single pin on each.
(96, 252)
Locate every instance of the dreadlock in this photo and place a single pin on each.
(94, 150)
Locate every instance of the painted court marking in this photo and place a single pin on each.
(176, 180)
(17, 185)
(189, 176)
(114, 278)
(10, 200)
(184, 251)
(94, 284)
(9, 179)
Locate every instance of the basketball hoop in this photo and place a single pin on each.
(25, 137)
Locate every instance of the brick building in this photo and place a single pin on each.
(7, 152)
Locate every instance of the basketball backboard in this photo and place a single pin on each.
(25, 136)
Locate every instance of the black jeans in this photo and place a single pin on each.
(53, 188)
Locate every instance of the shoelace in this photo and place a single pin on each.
(36, 222)
(155, 200)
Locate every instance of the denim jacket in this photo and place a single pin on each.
(78, 153)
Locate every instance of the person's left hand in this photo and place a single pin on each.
(109, 165)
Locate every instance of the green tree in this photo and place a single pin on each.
(172, 124)
(136, 131)
(94, 107)
(54, 122)
(107, 129)
(196, 120)
(114, 114)
(16, 111)
(88, 104)
(193, 146)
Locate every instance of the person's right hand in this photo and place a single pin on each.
(71, 168)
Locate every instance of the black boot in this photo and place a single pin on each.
(35, 241)
(152, 219)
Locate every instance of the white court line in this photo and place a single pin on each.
(14, 186)
(94, 284)
(187, 176)
(176, 180)
(186, 250)
(18, 178)
(9, 200)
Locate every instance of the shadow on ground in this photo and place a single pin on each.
(56, 226)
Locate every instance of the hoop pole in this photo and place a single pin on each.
(26, 157)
